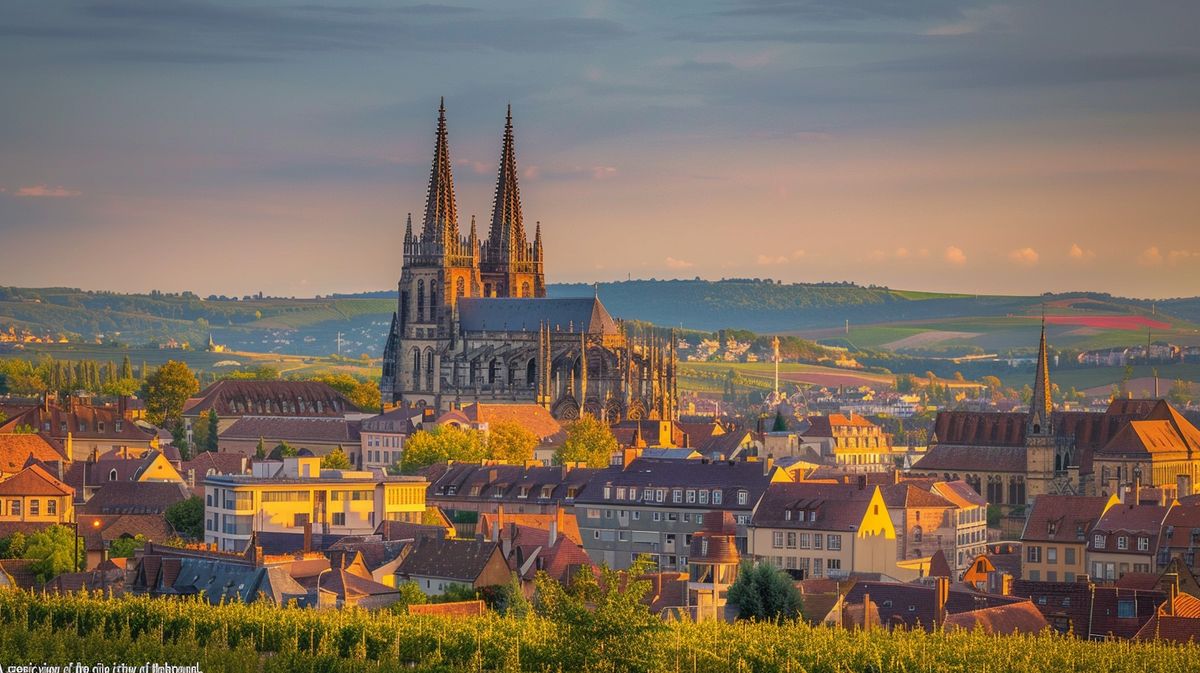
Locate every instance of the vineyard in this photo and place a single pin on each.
(240, 638)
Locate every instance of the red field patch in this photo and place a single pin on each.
(1129, 322)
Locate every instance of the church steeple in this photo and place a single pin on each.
(1041, 405)
(507, 235)
(441, 213)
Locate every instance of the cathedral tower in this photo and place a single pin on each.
(511, 266)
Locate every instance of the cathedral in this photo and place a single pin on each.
(473, 323)
(1013, 457)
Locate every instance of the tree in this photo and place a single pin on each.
(260, 453)
(588, 441)
(125, 546)
(166, 390)
(410, 594)
(336, 460)
(13, 546)
(53, 549)
(440, 444)
(363, 394)
(763, 592)
(512, 601)
(187, 517)
(285, 450)
(122, 387)
(126, 368)
(511, 442)
(1180, 393)
(210, 443)
(780, 424)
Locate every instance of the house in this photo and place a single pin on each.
(1158, 450)
(99, 531)
(81, 429)
(108, 578)
(349, 582)
(1087, 610)
(850, 441)
(1054, 541)
(33, 495)
(1000, 620)
(519, 489)
(136, 497)
(558, 521)
(650, 432)
(231, 399)
(990, 571)
(1180, 537)
(216, 577)
(1125, 539)
(17, 574)
(824, 530)
(653, 507)
(969, 518)
(712, 567)
(382, 437)
(296, 498)
(916, 606)
(17, 449)
(209, 463)
(923, 519)
(1177, 620)
(380, 557)
(530, 551)
(90, 475)
(435, 565)
(309, 436)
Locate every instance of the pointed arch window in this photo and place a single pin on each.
(525, 289)
(429, 380)
(421, 300)
(416, 369)
(460, 287)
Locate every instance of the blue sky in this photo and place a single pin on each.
(933, 144)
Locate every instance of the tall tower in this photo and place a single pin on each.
(1046, 458)
(439, 267)
(510, 265)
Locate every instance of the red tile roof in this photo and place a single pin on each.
(231, 398)
(34, 480)
(294, 429)
(1063, 518)
(838, 507)
(1004, 620)
(15, 451)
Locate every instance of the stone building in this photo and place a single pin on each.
(473, 323)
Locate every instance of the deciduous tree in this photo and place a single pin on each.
(166, 390)
(442, 443)
(588, 441)
(511, 442)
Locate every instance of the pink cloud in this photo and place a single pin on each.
(1151, 256)
(673, 263)
(1024, 256)
(768, 260)
(1077, 253)
(45, 191)
(955, 255)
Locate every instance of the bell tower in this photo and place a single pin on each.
(511, 265)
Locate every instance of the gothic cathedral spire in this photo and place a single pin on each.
(441, 214)
(507, 235)
(1041, 405)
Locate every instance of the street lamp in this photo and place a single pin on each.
(319, 584)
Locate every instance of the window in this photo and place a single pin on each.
(1034, 554)
(818, 570)
(777, 539)
(660, 495)
(691, 495)
(1143, 544)
(633, 493)
(834, 564)
(834, 542)
(677, 495)
(620, 493)
(35, 507)
(1098, 541)
(593, 513)
(742, 497)
(1126, 608)
(637, 515)
(716, 497)
(52, 507)
(623, 536)
(805, 542)
(607, 492)
(1122, 542)
(339, 518)
(791, 540)
(817, 540)
(14, 507)
(1051, 554)
(112, 475)
(298, 520)
(658, 516)
(1069, 556)
(703, 497)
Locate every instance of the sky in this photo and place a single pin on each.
(236, 147)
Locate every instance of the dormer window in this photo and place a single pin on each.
(1098, 541)
(742, 497)
(787, 515)
(546, 491)
(1051, 528)
(100, 426)
(117, 425)
(112, 475)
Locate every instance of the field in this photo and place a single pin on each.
(200, 361)
(235, 638)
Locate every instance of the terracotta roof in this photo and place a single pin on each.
(1146, 438)
(34, 480)
(230, 398)
(1064, 518)
(908, 494)
(1003, 620)
(1143, 581)
(568, 525)
(980, 428)
(456, 560)
(567, 314)
(82, 421)
(698, 433)
(724, 445)
(625, 433)
(839, 507)
(402, 530)
(1129, 521)
(135, 497)
(532, 417)
(18, 571)
(456, 609)
(973, 458)
(375, 552)
(505, 483)
(939, 566)
(108, 527)
(914, 605)
(828, 426)
(960, 493)
(219, 463)
(1090, 610)
(295, 429)
(15, 451)
(349, 585)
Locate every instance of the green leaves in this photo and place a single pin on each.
(763, 592)
(588, 441)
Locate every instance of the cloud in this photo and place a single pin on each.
(477, 167)
(602, 172)
(1077, 253)
(1150, 256)
(954, 255)
(1024, 256)
(1177, 256)
(45, 191)
(769, 260)
(673, 263)
(879, 255)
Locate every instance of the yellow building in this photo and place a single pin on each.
(295, 495)
(33, 495)
(824, 529)
(1054, 543)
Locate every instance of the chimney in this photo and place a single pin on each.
(307, 536)
(495, 529)
(1137, 491)
(941, 595)
(1183, 485)
(122, 406)
(553, 532)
